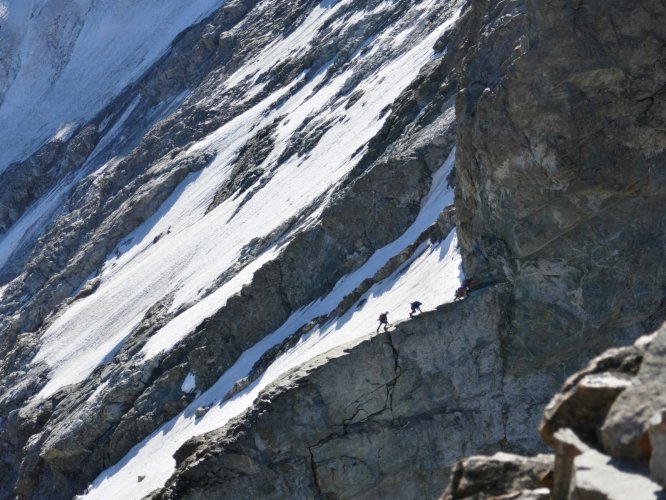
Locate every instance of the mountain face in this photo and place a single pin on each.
(204, 209)
(561, 166)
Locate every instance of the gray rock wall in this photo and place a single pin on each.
(561, 165)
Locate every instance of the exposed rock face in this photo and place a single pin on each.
(385, 418)
(560, 155)
(561, 161)
(560, 179)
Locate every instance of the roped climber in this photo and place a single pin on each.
(416, 306)
(383, 320)
(463, 291)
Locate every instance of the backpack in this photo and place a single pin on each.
(383, 318)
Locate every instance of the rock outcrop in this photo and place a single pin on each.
(614, 392)
(500, 475)
(384, 418)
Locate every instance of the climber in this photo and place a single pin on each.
(416, 306)
(461, 293)
(383, 320)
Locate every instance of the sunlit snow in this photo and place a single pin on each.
(69, 59)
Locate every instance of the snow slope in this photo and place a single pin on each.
(431, 276)
(193, 248)
(64, 60)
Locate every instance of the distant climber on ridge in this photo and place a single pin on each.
(416, 306)
(383, 320)
(463, 291)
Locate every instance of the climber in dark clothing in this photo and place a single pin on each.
(461, 293)
(383, 320)
(416, 306)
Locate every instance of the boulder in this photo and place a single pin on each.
(625, 430)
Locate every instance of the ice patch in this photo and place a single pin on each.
(189, 384)
(65, 132)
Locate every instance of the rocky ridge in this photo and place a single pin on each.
(384, 417)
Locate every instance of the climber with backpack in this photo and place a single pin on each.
(383, 320)
(416, 306)
(463, 291)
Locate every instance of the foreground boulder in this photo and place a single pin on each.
(500, 474)
(613, 392)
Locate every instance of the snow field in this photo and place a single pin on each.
(431, 276)
(193, 249)
(75, 56)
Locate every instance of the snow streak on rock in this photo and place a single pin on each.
(172, 191)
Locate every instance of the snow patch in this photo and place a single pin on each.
(65, 132)
(32, 222)
(189, 384)
(97, 392)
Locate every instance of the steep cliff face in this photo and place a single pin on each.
(561, 162)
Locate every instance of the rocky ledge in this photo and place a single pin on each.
(383, 418)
